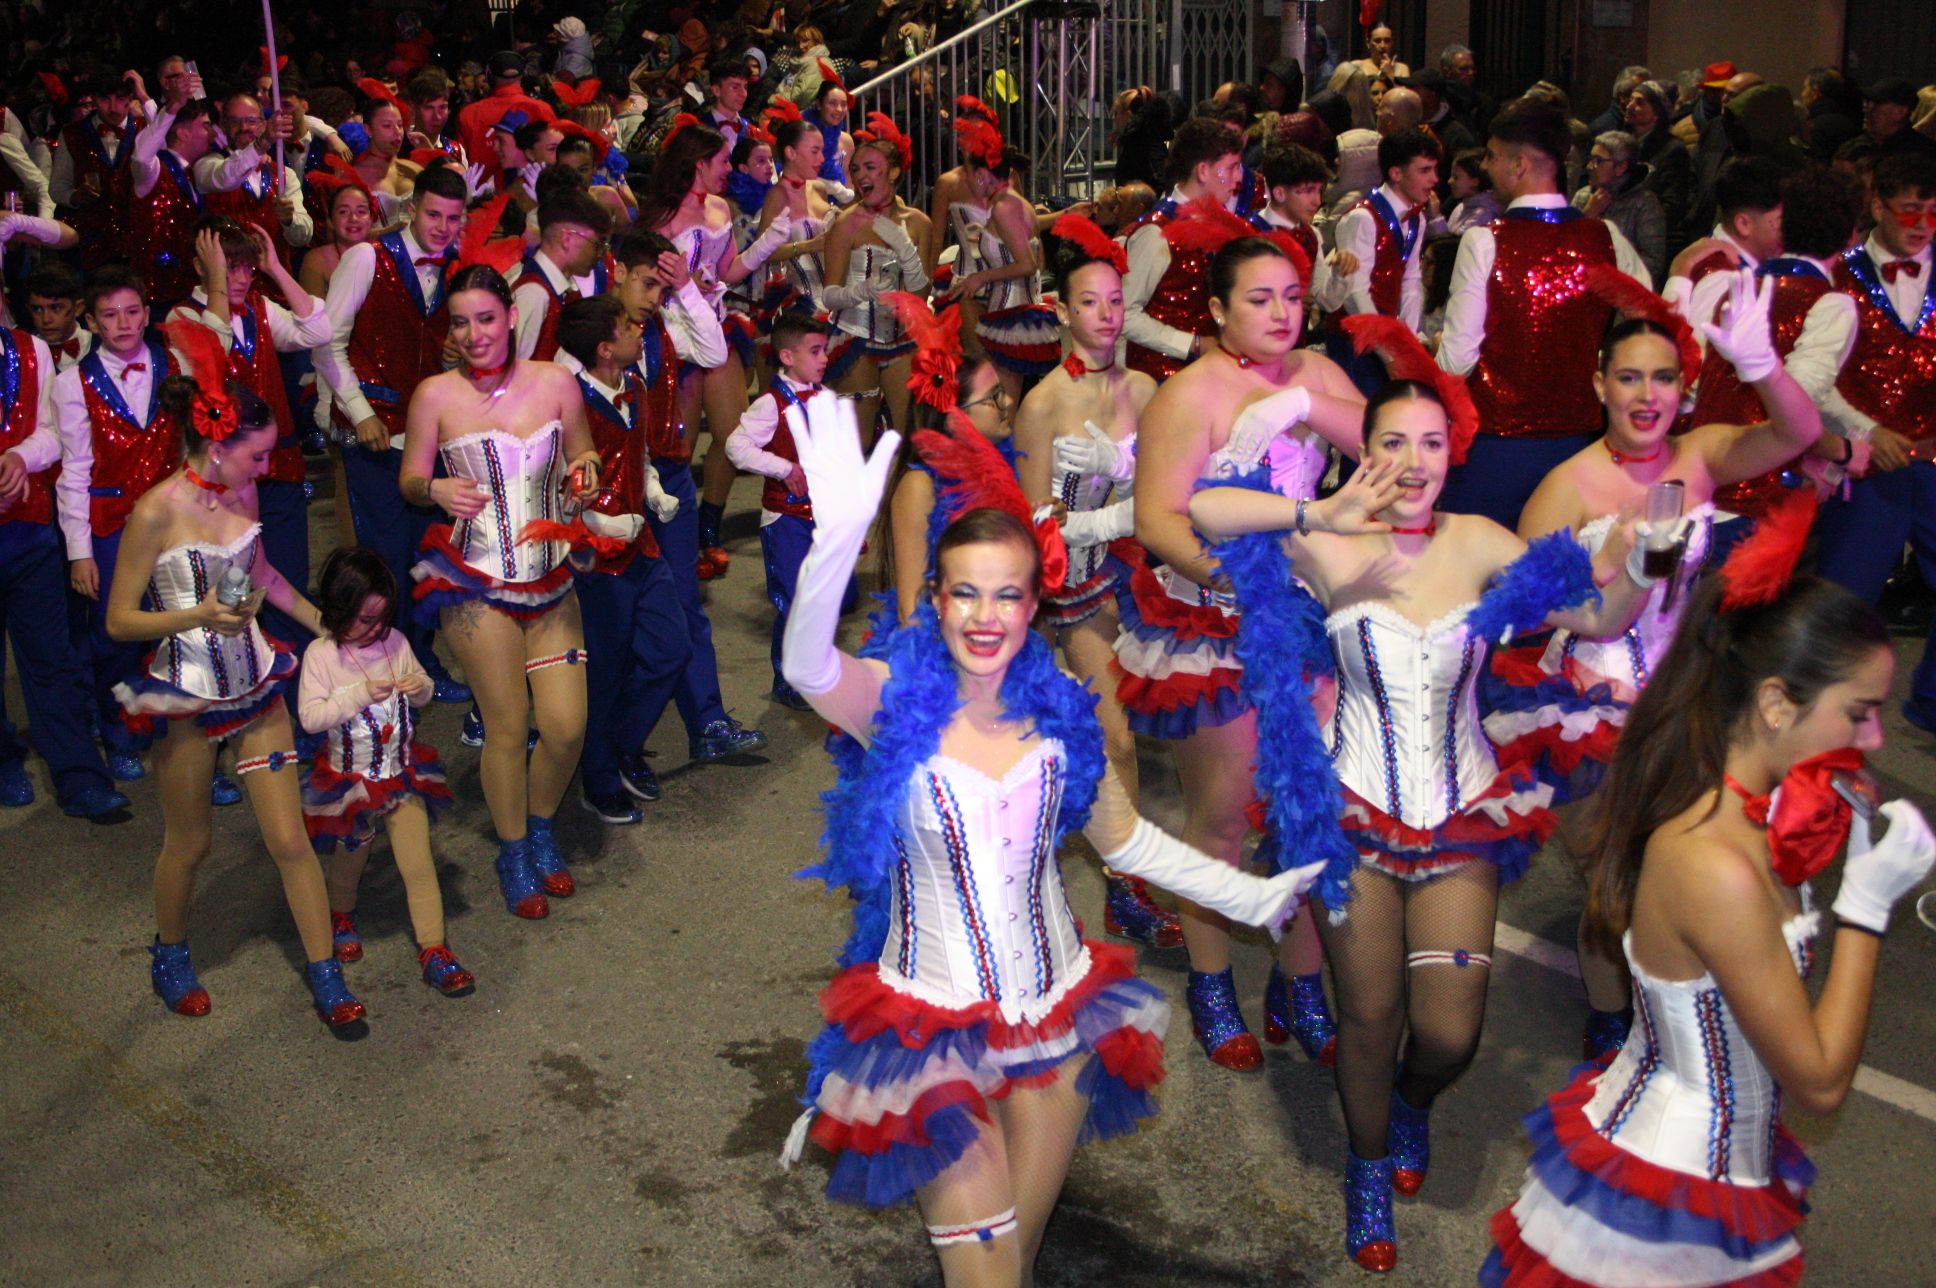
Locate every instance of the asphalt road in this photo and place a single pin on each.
(609, 1106)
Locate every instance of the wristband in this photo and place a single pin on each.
(1302, 529)
(1843, 923)
(1848, 451)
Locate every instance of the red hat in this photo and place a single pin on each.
(1715, 75)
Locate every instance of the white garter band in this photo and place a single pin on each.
(989, 1228)
(273, 761)
(570, 657)
(1438, 957)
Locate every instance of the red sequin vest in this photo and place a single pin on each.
(99, 208)
(20, 374)
(547, 346)
(394, 347)
(1891, 376)
(1181, 300)
(622, 448)
(244, 209)
(1724, 400)
(773, 492)
(1542, 330)
(159, 240)
(665, 433)
(260, 369)
(128, 457)
(1388, 264)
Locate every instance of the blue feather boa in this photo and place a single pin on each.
(920, 697)
(746, 192)
(1555, 572)
(1281, 642)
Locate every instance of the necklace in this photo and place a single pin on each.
(202, 483)
(486, 373)
(1626, 458)
(1244, 361)
(1429, 530)
(1078, 368)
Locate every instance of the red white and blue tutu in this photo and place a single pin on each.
(147, 701)
(1601, 1203)
(444, 580)
(342, 809)
(742, 337)
(1074, 605)
(903, 1097)
(848, 349)
(1504, 825)
(1564, 726)
(1026, 340)
(1178, 661)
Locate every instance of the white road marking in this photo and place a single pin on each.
(1886, 1087)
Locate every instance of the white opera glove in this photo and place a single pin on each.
(1262, 421)
(1097, 454)
(623, 527)
(1744, 338)
(853, 296)
(1877, 874)
(772, 239)
(477, 181)
(662, 503)
(31, 228)
(907, 256)
(1161, 859)
(529, 178)
(838, 194)
(1637, 556)
(1100, 527)
(847, 487)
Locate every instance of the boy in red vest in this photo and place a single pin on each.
(164, 202)
(33, 594)
(243, 182)
(91, 171)
(1166, 293)
(1385, 232)
(569, 264)
(763, 444)
(1521, 320)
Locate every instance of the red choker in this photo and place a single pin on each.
(1622, 458)
(795, 184)
(485, 373)
(202, 483)
(1077, 368)
(1807, 820)
(1429, 530)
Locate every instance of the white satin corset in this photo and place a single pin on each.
(1687, 1092)
(375, 742)
(1406, 735)
(872, 320)
(967, 220)
(201, 661)
(978, 911)
(993, 253)
(806, 273)
(1628, 659)
(706, 251)
(522, 479)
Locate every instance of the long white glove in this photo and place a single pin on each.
(1643, 536)
(662, 503)
(46, 232)
(1745, 339)
(846, 486)
(1099, 527)
(1877, 874)
(846, 296)
(1161, 859)
(624, 527)
(1264, 420)
(475, 178)
(1097, 453)
(907, 256)
(772, 239)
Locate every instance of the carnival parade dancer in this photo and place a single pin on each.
(1670, 1166)
(506, 600)
(1431, 823)
(966, 1051)
(361, 688)
(1256, 401)
(1564, 701)
(1015, 330)
(798, 276)
(191, 576)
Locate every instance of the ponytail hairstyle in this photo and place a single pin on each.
(1674, 748)
(671, 179)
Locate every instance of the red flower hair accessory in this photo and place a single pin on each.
(881, 129)
(937, 349)
(211, 411)
(376, 89)
(1406, 359)
(1759, 569)
(1628, 296)
(1091, 240)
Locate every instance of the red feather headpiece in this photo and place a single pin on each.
(937, 349)
(1406, 359)
(374, 88)
(1630, 297)
(1368, 13)
(980, 140)
(1759, 569)
(760, 134)
(569, 95)
(55, 88)
(881, 129)
(827, 72)
(478, 246)
(334, 175)
(970, 471)
(212, 411)
(679, 123)
(1091, 240)
(282, 60)
(781, 110)
(600, 144)
(968, 106)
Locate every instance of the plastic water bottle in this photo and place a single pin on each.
(234, 586)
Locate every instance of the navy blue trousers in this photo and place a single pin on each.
(697, 695)
(110, 661)
(1499, 474)
(783, 547)
(391, 527)
(1862, 538)
(639, 646)
(54, 676)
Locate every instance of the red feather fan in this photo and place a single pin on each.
(478, 246)
(1760, 568)
(376, 89)
(827, 72)
(937, 349)
(578, 95)
(1091, 240)
(1635, 300)
(1406, 359)
(968, 469)
(881, 129)
(212, 411)
(967, 105)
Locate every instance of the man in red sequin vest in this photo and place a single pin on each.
(164, 202)
(1890, 386)
(242, 183)
(33, 595)
(569, 264)
(388, 320)
(1166, 294)
(116, 443)
(92, 173)
(1385, 232)
(1520, 324)
(1747, 197)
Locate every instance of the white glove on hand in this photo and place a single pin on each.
(46, 232)
(1876, 875)
(1637, 556)
(1161, 859)
(625, 527)
(1264, 420)
(889, 230)
(1097, 454)
(529, 177)
(662, 503)
(475, 180)
(1744, 338)
(1099, 527)
(772, 239)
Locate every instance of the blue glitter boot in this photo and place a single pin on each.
(523, 896)
(1605, 1033)
(174, 979)
(550, 864)
(1294, 1006)
(1368, 1234)
(1410, 1137)
(1218, 1024)
(1129, 911)
(334, 1001)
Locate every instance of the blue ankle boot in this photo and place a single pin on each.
(1294, 1006)
(1410, 1137)
(518, 879)
(1129, 911)
(1217, 1022)
(1369, 1237)
(334, 1001)
(550, 864)
(174, 979)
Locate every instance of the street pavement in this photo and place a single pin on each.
(609, 1107)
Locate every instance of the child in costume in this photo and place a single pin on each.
(361, 688)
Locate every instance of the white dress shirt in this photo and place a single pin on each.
(532, 300)
(1699, 301)
(243, 169)
(349, 286)
(1149, 259)
(77, 439)
(1326, 294)
(42, 447)
(287, 332)
(1465, 312)
(144, 164)
(746, 445)
(1358, 234)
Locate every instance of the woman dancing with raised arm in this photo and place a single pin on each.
(1432, 825)
(1669, 1166)
(973, 1036)
(505, 602)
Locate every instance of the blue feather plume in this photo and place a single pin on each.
(1555, 573)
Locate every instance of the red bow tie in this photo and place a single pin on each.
(1807, 820)
(622, 398)
(1896, 267)
(71, 348)
(429, 261)
(134, 366)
